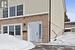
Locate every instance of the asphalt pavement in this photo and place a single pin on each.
(53, 47)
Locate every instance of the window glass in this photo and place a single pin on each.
(3, 3)
(19, 10)
(67, 30)
(5, 29)
(5, 12)
(12, 11)
(17, 30)
(11, 30)
(39, 30)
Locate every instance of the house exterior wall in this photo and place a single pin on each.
(33, 11)
(15, 3)
(36, 6)
(26, 20)
(73, 29)
(31, 6)
(70, 25)
(57, 17)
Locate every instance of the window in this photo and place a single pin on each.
(5, 29)
(5, 12)
(40, 31)
(11, 30)
(3, 3)
(19, 10)
(17, 30)
(12, 11)
(67, 30)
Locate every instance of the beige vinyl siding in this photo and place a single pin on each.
(25, 20)
(31, 6)
(57, 17)
(12, 3)
(1, 12)
(36, 6)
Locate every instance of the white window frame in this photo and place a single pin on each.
(9, 17)
(17, 9)
(14, 28)
(7, 13)
(14, 11)
(7, 29)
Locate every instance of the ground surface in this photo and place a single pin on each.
(9, 42)
(51, 47)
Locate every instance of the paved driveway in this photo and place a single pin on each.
(55, 47)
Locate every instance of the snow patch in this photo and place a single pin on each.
(9, 42)
(65, 39)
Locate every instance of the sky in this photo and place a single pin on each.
(70, 6)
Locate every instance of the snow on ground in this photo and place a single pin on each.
(9, 42)
(67, 38)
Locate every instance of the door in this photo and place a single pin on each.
(34, 33)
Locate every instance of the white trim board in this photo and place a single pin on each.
(70, 28)
(24, 15)
(67, 28)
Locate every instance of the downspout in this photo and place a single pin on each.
(49, 20)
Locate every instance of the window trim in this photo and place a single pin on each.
(16, 12)
(7, 29)
(20, 10)
(4, 13)
(10, 11)
(12, 25)
(16, 30)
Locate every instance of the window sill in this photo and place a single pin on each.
(12, 17)
(24, 15)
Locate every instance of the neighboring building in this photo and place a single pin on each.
(69, 27)
(66, 18)
(29, 19)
